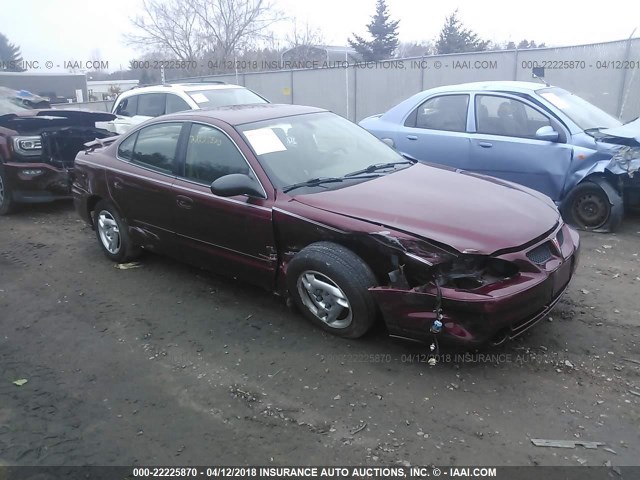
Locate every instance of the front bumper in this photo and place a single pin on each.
(503, 311)
(38, 182)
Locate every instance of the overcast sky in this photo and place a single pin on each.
(59, 30)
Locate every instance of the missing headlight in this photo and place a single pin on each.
(469, 272)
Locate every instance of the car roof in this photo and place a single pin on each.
(184, 87)
(498, 86)
(241, 114)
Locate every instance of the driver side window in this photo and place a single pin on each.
(211, 155)
(128, 107)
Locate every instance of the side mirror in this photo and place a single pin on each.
(236, 184)
(547, 133)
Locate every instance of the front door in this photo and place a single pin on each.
(504, 144)
(232, 235)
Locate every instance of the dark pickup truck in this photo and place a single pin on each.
(38, 147)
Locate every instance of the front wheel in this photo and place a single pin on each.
(113, 233)
(588, 207)
(6, 201)
(330, 285)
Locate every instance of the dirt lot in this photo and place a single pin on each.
(166, 364)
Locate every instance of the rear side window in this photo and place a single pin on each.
(128, 107)
(125, 150)
(446, 112)
(155, 147)
(151, 104)
(176, 104)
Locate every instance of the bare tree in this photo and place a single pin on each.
(304, 35)
(171, 26)
(231, 26)
(303, 42)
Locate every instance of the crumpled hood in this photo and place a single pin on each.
(618, 149)
(459, 209)
(630, 130)
(30, 120)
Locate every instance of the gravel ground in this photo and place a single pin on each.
(167, 364)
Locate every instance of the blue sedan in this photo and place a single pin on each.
(543, 137)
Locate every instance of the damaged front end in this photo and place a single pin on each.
(40, 150)
(624, 160)
(470, 298)
(610, 159)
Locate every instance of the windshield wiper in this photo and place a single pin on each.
(315, 182)
(312, 182)
(379, 166)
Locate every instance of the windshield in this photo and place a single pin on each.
(583, 113)
(294, 150)
(221, 97)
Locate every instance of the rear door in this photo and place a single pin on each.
(141, 189)
(435, 131)
(504, 144)
(231, 235)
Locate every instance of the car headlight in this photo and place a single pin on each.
(28, 145)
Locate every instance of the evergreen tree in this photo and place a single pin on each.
(384, 33)
(454, 38)
(10, 56)
(529, 44)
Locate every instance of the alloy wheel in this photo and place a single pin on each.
(109, 232)
(324, 299)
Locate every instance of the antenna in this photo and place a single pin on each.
(538, 73)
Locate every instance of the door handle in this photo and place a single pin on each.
(118, 184)
(412, 137)
(184, 202)
(485, 144)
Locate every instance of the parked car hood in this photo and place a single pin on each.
(630, 130)
(30, 120)
(468, 213)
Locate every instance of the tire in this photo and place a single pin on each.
(113, 233)
(338, 278)
(6, 201)
(589, 207)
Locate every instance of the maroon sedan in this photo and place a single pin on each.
(304, 203)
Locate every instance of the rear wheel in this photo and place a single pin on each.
(330, 285)
(588, 207)
(113, 233)
(6, 202)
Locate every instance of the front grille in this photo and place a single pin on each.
(541, 254)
